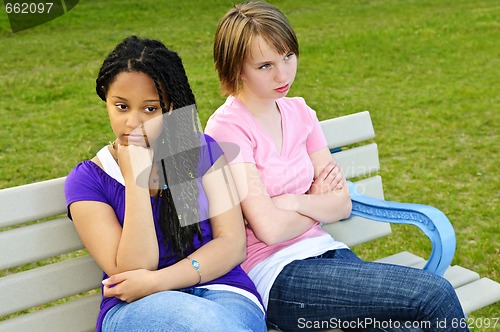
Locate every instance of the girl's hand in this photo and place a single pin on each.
(330, 178)
(135, 163)
(131, 285)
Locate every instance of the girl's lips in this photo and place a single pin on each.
(283, 89)
(135, 138)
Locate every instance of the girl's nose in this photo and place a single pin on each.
(134, 120)
(281, 74)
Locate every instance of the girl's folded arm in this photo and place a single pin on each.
(270, 223)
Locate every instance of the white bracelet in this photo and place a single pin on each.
(196, 266)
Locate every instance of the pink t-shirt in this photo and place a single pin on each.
(288, 172)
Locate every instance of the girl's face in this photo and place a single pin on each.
(134, 109)
(266, 73)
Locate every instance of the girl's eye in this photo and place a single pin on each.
(151, 109)
(289, 56)
(265, 66)
(121, 107)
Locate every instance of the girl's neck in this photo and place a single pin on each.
(259, 107)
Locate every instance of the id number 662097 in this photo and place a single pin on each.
(28, 7)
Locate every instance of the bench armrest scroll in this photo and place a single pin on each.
(430, 220)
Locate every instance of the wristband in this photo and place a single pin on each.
(196, 266)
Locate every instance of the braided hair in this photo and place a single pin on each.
(180, 138)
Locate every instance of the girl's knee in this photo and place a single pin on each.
(441, 287)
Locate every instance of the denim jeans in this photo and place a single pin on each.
(339, 290)
(192, 309)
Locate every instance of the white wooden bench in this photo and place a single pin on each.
(48, 283)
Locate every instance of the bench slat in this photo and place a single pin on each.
(32, 202)
(371, 187)
(24, 290)
(348, 129)
(470, 299)
(458, 276)
(359, 161)
(356, 230)
(467, 283)
(404, 258)
(38, 241)
(366, 230)
(77, 316)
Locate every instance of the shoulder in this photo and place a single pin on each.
(86, 176)
(206, 139)
(231, 113)
(87, 181)
(210, 151)
(231, 122)
(85, 169)
(297, 107)
(82, 178)
(230, 106)
(211, 146)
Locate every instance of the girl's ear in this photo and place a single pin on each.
(167, 102)
(104, 93)
(241, 77)
(169, 107)
(239, 83)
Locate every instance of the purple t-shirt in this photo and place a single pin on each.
(88, 182)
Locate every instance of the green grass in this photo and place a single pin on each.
(428, 71)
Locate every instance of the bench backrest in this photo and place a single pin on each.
(349, 138)
(43, 263)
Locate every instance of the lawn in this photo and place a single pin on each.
(428, 71)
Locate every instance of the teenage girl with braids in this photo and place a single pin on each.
(155, 209)
(288, 182)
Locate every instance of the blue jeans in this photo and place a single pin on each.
(339, 290)
(191, 309)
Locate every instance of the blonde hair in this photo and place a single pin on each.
(235, 33)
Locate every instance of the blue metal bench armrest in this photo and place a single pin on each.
(430, 220)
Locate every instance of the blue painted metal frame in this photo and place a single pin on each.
(430, 220)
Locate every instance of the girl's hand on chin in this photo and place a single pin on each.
(135, 162)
